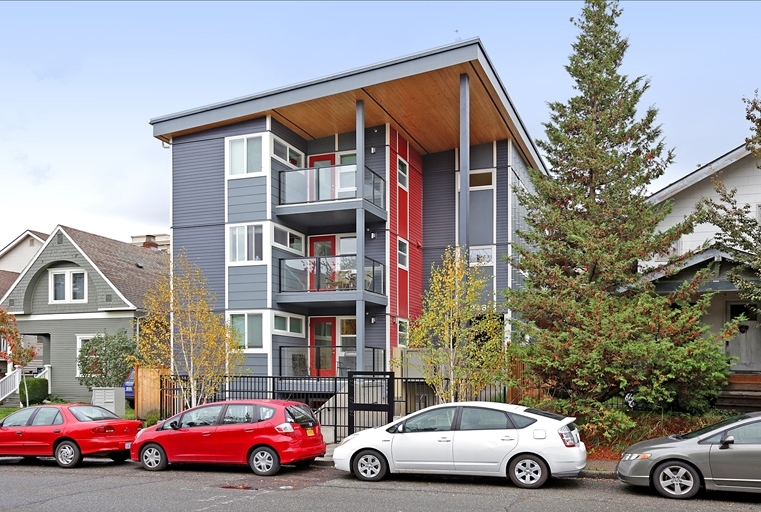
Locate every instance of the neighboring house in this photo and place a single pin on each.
(736, 169)
(161, 242)
(316, 210)
(13, 258)
(77, 286)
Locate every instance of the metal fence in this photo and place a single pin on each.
(327, 396)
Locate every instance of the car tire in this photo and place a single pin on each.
(119, 457)
(264, 461)
(304, 463)
(677, 480)
(369, 465)
(68, 454)
(528, 471)
(153, 457)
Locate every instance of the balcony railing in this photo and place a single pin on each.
(331, 273)
(329, 361)
(331, 183)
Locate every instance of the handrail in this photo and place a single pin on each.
(46, 373)
(10, 383)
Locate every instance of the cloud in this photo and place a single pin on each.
(35, 172)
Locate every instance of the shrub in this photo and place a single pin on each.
(106, 359)
(37, 390)
(152, 418)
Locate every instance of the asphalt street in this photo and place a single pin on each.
(105, 486)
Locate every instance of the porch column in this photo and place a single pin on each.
(360, 222)
(360, 306)
(462, 228)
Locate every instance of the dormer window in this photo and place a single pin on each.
(67, 285)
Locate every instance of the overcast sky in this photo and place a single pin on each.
(80, 81)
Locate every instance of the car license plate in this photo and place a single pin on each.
(310, 431)
(127, 445)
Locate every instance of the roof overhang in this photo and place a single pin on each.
(418, 95)
(699, 174)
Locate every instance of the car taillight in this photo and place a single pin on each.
(103, 430)
(285, 428)
(566, 434)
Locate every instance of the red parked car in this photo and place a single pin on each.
(261, 433)
(67, 432)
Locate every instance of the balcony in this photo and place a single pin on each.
(300, 278)
(328, 361)
(335, 190)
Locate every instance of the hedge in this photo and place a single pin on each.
(37, 388)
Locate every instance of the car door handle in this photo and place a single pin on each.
(206, 433)
(18, 432)
(57, 431)
(249, 430)
(445, 440)
(507, 439)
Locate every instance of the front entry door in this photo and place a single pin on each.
(323, 176)
(322, 347)
(323, 249)
(745, 346)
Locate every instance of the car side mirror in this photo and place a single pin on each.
(174, 425)
(728, 440)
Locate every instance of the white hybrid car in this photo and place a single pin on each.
(468, 438)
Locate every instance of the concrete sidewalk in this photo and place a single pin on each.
(594, 469)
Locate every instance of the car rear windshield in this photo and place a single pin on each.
(301, 414)
(92, 413)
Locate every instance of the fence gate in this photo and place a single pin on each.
(370, 400)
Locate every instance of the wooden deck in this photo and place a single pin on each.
(742, 393)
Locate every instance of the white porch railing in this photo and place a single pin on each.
(47, 373)
(9, 384)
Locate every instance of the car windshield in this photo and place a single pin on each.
(301, 414)
(92, 413)
(709, 428)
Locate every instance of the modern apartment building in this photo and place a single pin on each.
(316, 210)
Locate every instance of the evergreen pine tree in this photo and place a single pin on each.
(595, 327)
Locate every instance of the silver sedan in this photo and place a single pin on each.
(720, 457)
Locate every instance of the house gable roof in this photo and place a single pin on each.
(130, 270)
(700, 174)
(41, 237)
(419, 95)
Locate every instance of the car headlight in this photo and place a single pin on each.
(635, 456)
(346, 440)
(139, 433)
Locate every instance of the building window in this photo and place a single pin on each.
(246, 243)
(249, 329)
(348, 334)
(481, 256)
(401, 167)
(404, 331)
(244, 155)
(68, 285)
(404, 249)
(81, 340)
(287, 153)
(288, 325)
(289, 240)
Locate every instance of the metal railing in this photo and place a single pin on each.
(327, 396)
(328, 361)
(9, 384)
(331, 183)
(331, 273)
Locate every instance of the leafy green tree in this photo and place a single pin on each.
(183, 333)
(106, 359)
(16, 352)
(596, 328)
(740, 232)
(459, 337)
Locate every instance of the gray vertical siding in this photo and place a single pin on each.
(323, 145)
(375, 334)
(256, 364)
(438, 208)
(247, 287)
(288, 136)
(503, 219)
(205, 247)
(520, 173)
(63, 349)
(247, 199)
